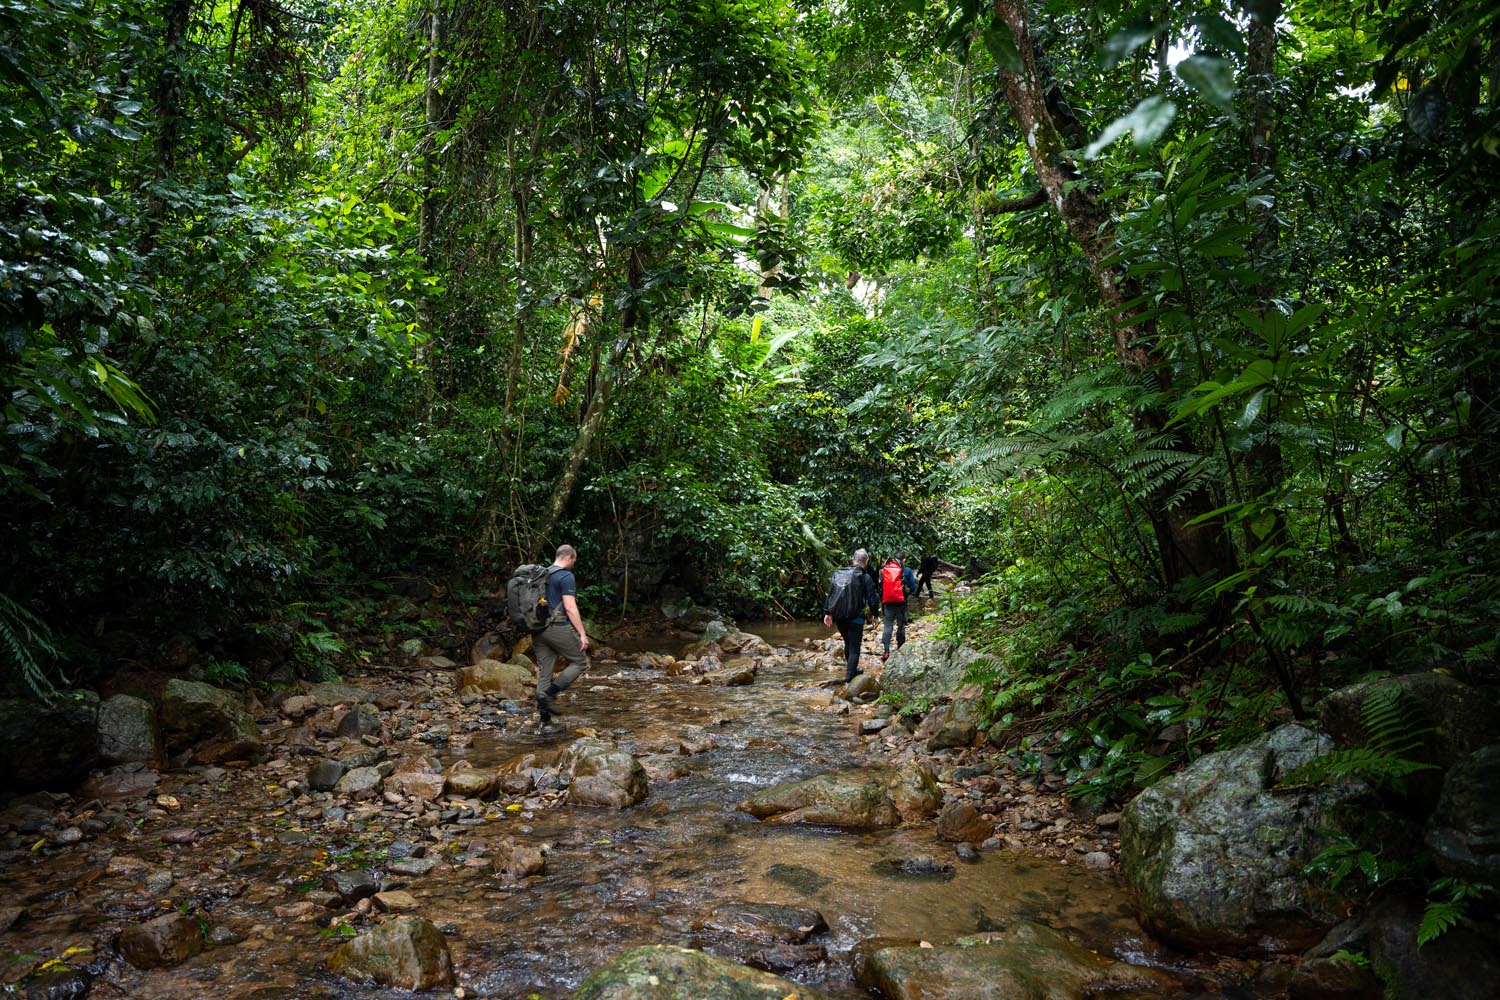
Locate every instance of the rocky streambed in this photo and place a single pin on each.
(713, 805)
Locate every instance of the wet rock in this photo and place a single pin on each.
(406, 952)
(470, 782)
(54, 983)
(1216, 857)
(420, 777)
(915, 793)
(162, 942)
(695, 740)
(1098, 860)
(927, 669)
(1107, 821)
(520, 860)
(1464, 832)
(601, 774)
(412, 867)
(952, 735)
(738, 672)
(875, 725)
(297, 706)
(352, 886)
(125, 781)
(360, 783)
(128, 732)
(764, 923)
(9, 915)
(864, 687)
(668, 972)
(1463, 963)
(324, 775)
(330, 693)
(511, 681)
(396, 901)
(922, 866)
(785, 957)
(361, 720)
(852, 799)
(210, 720)
(1457, 716)
(967, 853)
(960, 822)
(803, 880)
(48, 746)
(1028, 960)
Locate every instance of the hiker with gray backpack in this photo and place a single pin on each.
(850, 593)
(543, 601)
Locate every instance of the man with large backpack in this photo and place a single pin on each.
(850, 592)
(896, 582)
(561, 634)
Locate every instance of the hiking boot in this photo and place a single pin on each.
(544, 708)
(886, 655)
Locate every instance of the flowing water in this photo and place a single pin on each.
(657, 872)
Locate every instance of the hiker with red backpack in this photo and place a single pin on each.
(896, 583)
(850, 592)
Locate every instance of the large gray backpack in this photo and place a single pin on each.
(526, 597)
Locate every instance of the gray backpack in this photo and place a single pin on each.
(526, 597)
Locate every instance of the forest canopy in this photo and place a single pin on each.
(1173, 324)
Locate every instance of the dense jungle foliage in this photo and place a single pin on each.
(1175, 323)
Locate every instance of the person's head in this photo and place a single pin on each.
(566, 556)
(861, 557)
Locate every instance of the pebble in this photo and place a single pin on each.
(1097, 860)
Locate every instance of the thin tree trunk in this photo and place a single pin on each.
(1187, 549)
(1265, 459)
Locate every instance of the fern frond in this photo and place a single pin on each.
(24, 644)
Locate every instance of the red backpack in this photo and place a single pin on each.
(891, 589)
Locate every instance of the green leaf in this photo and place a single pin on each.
(1147, 121)
(1002, 46)
(1125, 41)
(1210, 76)
(1219, 32)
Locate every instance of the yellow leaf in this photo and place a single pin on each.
(39, 844)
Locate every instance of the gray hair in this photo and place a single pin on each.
(563, 551)
(861, 557)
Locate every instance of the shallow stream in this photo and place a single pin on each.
(654, 873)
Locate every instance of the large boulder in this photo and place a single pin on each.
(45, 746)
(928, 670)
(511, 681)
(1462, 963)
(1460, 718)
(859, 799)
(1216, 854)
(128, 732)
(1028, 960)
(603, 775)
(209, 719)
(1464, 832)
(668, 972)
(407, 952)
(162, 942)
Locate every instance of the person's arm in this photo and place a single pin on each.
(570, 608)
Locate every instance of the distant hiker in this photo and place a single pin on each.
(562, 637)
(896, 582)
(925, 569)
(850, 592)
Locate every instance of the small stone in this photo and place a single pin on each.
(1097, 860)
(1107, 821)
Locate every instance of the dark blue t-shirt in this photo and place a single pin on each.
(561, 582)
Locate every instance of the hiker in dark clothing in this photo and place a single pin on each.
(564, 637)
(850, 593)
(925, 569)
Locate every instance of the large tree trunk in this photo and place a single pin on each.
(1187, 549)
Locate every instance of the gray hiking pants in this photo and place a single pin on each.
(558, 639)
